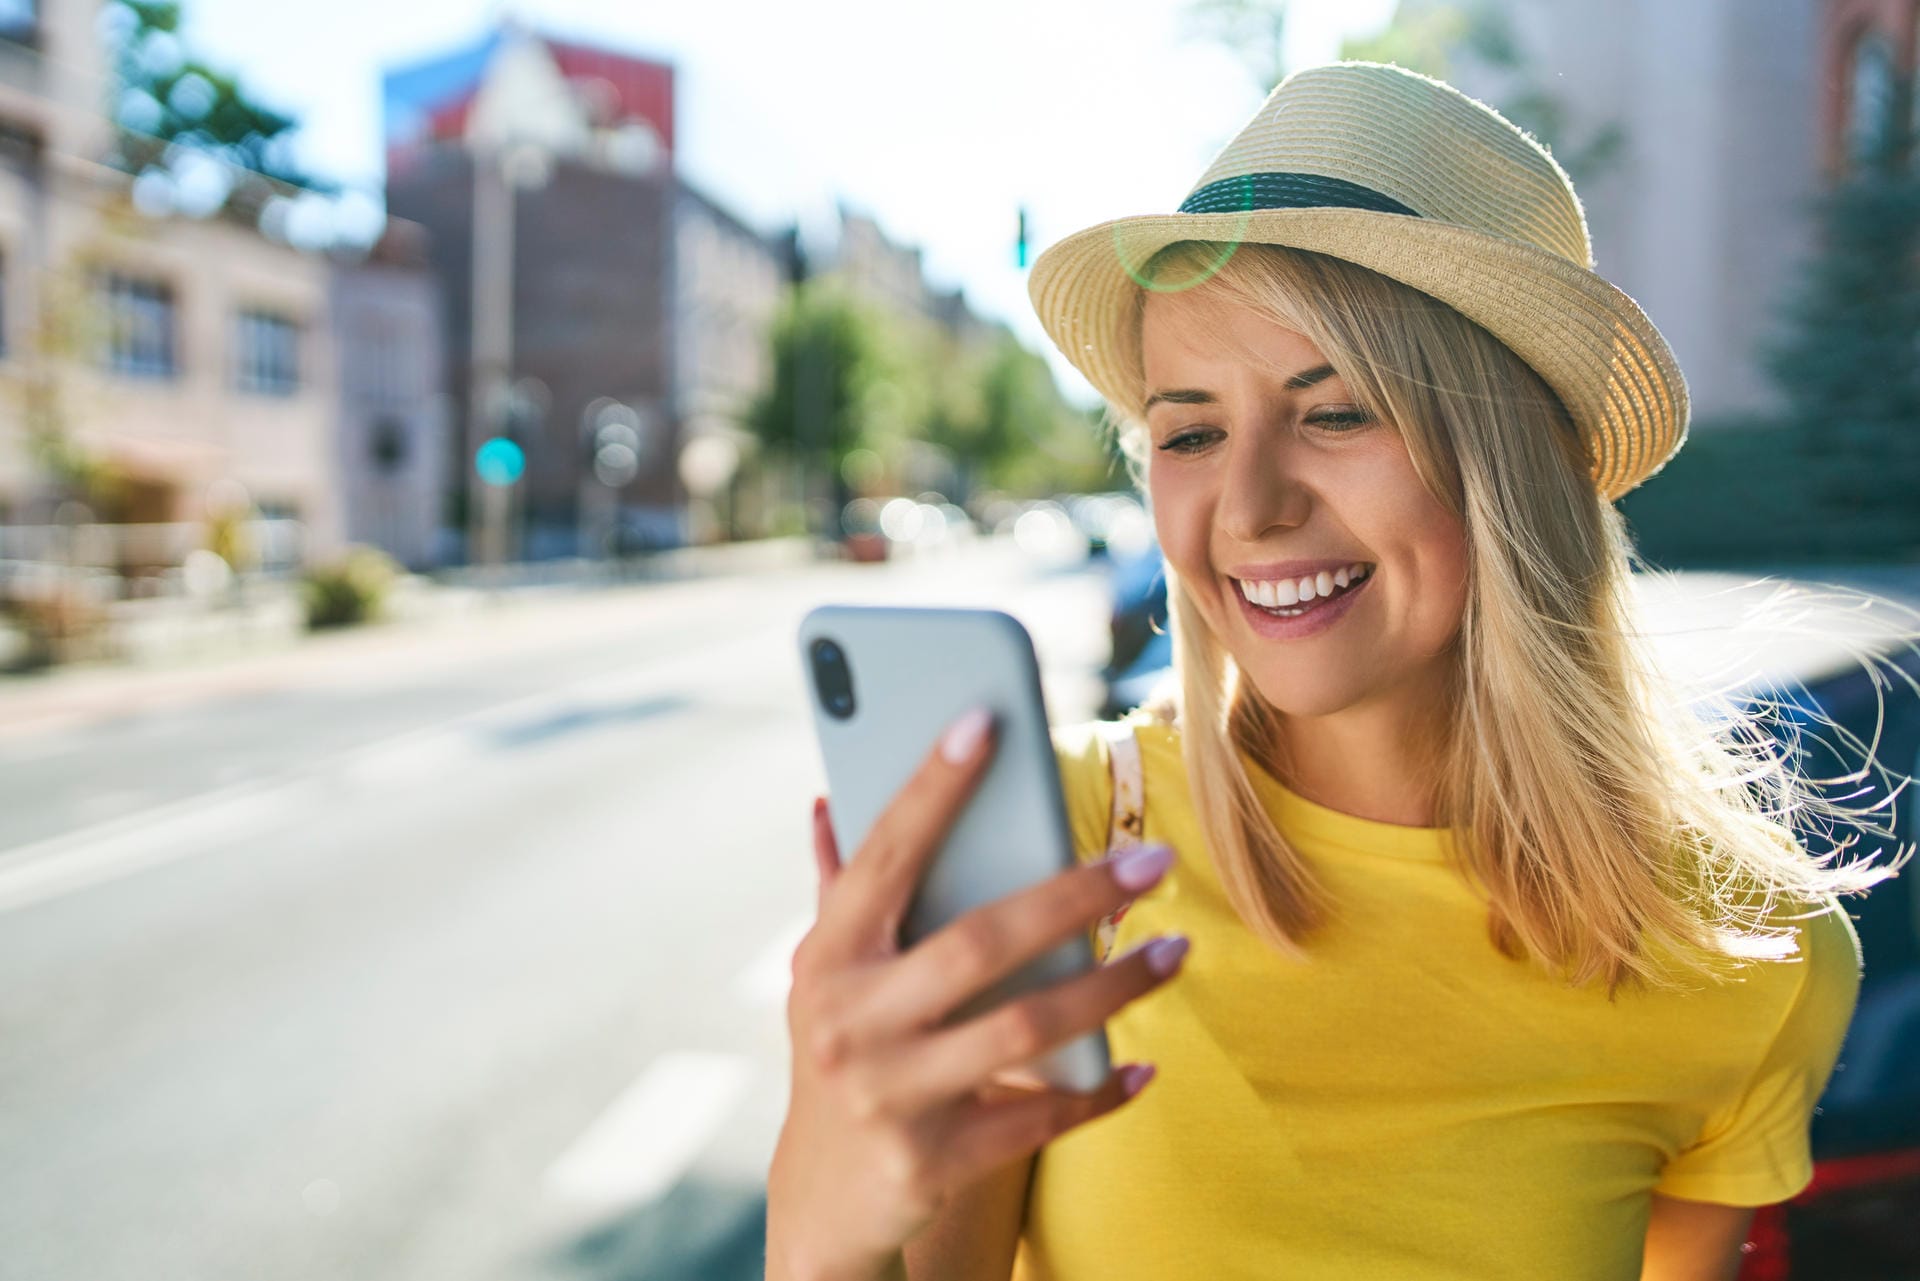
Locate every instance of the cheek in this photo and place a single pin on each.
(1443, 566)
(1182, 518)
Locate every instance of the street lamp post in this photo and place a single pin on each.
(500, 172)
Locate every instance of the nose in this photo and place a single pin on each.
(1260, 491)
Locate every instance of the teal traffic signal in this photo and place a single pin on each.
(499, 461)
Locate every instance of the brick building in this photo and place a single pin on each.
(619, 313)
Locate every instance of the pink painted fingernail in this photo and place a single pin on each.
(1134, 1076)
(1137, 868)
(1164, 954)
(964, 737)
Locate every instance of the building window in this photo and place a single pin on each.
(267, 353)
(139, 325)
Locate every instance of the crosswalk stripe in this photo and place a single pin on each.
(643, 1143)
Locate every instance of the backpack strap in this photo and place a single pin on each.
(1127, 824)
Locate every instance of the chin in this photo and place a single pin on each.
(1294, 693)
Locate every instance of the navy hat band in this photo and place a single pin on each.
(1287, 191)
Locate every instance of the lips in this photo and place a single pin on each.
(1321, 613)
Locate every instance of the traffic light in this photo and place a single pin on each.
(499, 461)
(1020, 242)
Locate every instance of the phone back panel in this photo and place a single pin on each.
(913, 672)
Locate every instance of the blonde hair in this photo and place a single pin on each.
(1600, 807)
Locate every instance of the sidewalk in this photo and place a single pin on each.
(179, 652)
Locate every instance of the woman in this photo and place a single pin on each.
(1505, 962)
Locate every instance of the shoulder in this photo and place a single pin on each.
(1830, 968)
(1753, 1145)
(1085, 754)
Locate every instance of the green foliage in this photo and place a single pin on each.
(1731, 496)
(1422, 39)
(1004, 411)
(229, 538)
(1848, 361)
(1427, 37)
(166, 98)
(934, 411)
(829, 360)
(349, 590)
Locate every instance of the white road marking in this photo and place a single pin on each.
(113, 848)
(766, 980)
(407, 758)
(642, 1145)
(63, 864)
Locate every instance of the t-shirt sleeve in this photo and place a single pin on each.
(1756, 1150)
(1084, 778)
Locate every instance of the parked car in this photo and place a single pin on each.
(1141, 649)
(1860, 1218)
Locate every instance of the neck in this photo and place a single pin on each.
(1362, 760)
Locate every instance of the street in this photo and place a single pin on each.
(434, 954)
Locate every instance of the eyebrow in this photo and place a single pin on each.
(1198, 396)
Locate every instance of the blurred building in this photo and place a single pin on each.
(892, 277)
(549, 203)
(191, 357)
(728, 282)
(394, 419)
(1726, 112)
(600, 311)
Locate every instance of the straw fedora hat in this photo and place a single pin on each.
(1407, 176)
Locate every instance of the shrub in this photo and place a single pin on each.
(349, 590)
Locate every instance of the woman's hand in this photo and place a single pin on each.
(890, 1112)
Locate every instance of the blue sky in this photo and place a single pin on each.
(938, 120)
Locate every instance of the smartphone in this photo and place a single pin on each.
(885, 682)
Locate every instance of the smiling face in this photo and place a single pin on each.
(1259, 475)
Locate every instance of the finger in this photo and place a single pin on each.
(987, 1135)
(826, 850)
(928, 1071)
(988, 943)
(864, 917)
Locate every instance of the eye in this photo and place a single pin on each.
(1189, 442)
(1341, 419)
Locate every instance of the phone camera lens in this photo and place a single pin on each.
(831, 678)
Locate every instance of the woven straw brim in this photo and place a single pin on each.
(1591, 342)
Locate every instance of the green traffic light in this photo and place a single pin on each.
(499, 461)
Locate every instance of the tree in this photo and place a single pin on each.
(171, 107)
(1848, 358)
(827, 358)
(1428, 36)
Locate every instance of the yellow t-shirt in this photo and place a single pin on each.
(1410, 1105)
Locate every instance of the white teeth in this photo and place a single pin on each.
(1282, 593)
